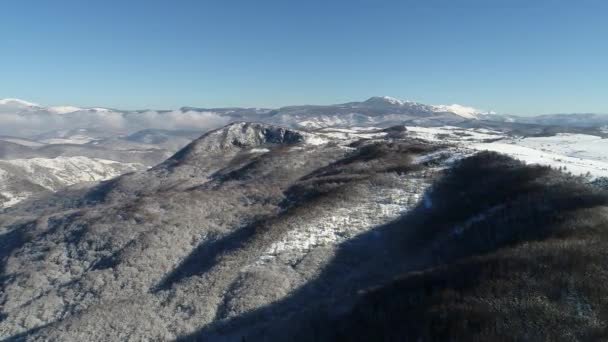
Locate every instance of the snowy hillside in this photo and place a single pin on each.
(576, 153)
(255, 221)
(21, 178)
(235, 224)
(464, 111)
(223, 188)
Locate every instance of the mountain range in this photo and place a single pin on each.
(260, 232)
(148, 137)
(376, 220)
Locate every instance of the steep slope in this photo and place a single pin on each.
(238, 219)
(499, 251)
(464, 111)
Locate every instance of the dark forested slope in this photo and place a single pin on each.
(513, 253)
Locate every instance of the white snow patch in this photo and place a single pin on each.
(394, 101)
(315, 140)
(572, 145)
(450, 134)
(12, 198)
(576, 166)
(73, 140)
(56, 173)
(342, 223)
(460, 110)
(13, 101)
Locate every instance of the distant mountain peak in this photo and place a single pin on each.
(249, 134)
(460, 110)
(385, 100)
(17, 102)
(234, 137)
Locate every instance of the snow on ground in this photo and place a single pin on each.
(340, 223)
(352, 134)
(464, 111)
(576, 166)
(394, 101)
(577, 153)
(54, 174)
(68, 170)
(315, 140)
(571, 145)
(74, 140)
(12, 198)
(449, 134)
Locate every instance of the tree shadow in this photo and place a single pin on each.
(368, 260)
(538, 200)
(11, 241)
(206, 255)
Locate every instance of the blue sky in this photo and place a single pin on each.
(511, 56)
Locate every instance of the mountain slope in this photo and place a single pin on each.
(157, 254)
(261, 232)
(23, 178)
(376, 111)
(501, 251)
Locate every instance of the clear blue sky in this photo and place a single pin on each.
(512, 56)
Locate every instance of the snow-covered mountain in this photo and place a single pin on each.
(147, 240)
(564, 120)
(17, 103)
(376, 112)
(464, 111)
(23, 178)
(149, 137)
(259, 232)
(460, 110)
(26, 119)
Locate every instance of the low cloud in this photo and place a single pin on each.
(175, 120)
(31, 123)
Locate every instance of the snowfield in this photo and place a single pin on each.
(449, 134)
(577, 166)
(572, 145)
(579, 154)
